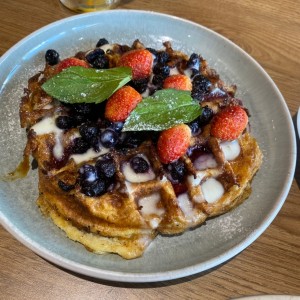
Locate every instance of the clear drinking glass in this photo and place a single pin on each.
(89, 5)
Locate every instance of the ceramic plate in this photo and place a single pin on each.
(167, 257)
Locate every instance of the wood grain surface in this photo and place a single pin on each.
(269, 31)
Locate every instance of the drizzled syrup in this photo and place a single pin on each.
(20, 171)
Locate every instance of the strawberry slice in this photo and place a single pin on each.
(71, 62)
(140, 61)
(173, 143)
(122, 103)
(178, 82)
(229, 123)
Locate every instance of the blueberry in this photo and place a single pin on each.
(161, 69)
(89, 111)
(65, 187)
(197, 95)
(95, 188)
(88, 173)
(80, 146)
(140, 84)
(203, 119)
(106, 167)
(194, 72)
(177, 170)
(64, 122)
(162, 57)
(153, 90)
(109, 138)
(88, 132)
(153, 51)
(102, 42)
(154, 54)
(83, 108)
(202, 83)
(51, 57)
(79, 119)
(154, 135)
(158, 80)
(139, 164)
(101, 63)
(194, 61)
(95, 143)
(195, 126)
(116, 126)
(99, 110)
(133, 139)
(206, 116)
(93, 55)
(201, 86)
(97, 59)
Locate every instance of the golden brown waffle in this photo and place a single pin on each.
(137, 207)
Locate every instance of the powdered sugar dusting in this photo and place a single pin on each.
(226, 227)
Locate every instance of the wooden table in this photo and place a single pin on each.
(269, 31)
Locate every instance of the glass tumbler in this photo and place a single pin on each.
(89, 5)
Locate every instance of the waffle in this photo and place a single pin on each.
(136, 207)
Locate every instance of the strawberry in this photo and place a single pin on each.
(173, 143)
(71, 62)
(140, 61)
(229, 123)
(121, 103)
(178, 82)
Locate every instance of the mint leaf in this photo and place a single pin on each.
(165, 109)
(83, 85)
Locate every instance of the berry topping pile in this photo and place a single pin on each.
(206, 108)
(96, 180)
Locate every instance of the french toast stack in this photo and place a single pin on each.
(113, 190)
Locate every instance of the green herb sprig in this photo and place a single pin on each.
(86, 85)
(165, 109)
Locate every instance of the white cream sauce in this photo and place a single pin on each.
(212, 190)
(131, 176)
(205, 161)
(129, 188)
(149, 203)
(47, 126)
(231, 149)
(196, 181)
(174, 71)
(186, 206)
(188, 73)
(107, 47)
(150, 210)
(48, 106)
(146, 93)
(88, 155)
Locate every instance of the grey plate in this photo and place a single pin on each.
(168, 257)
